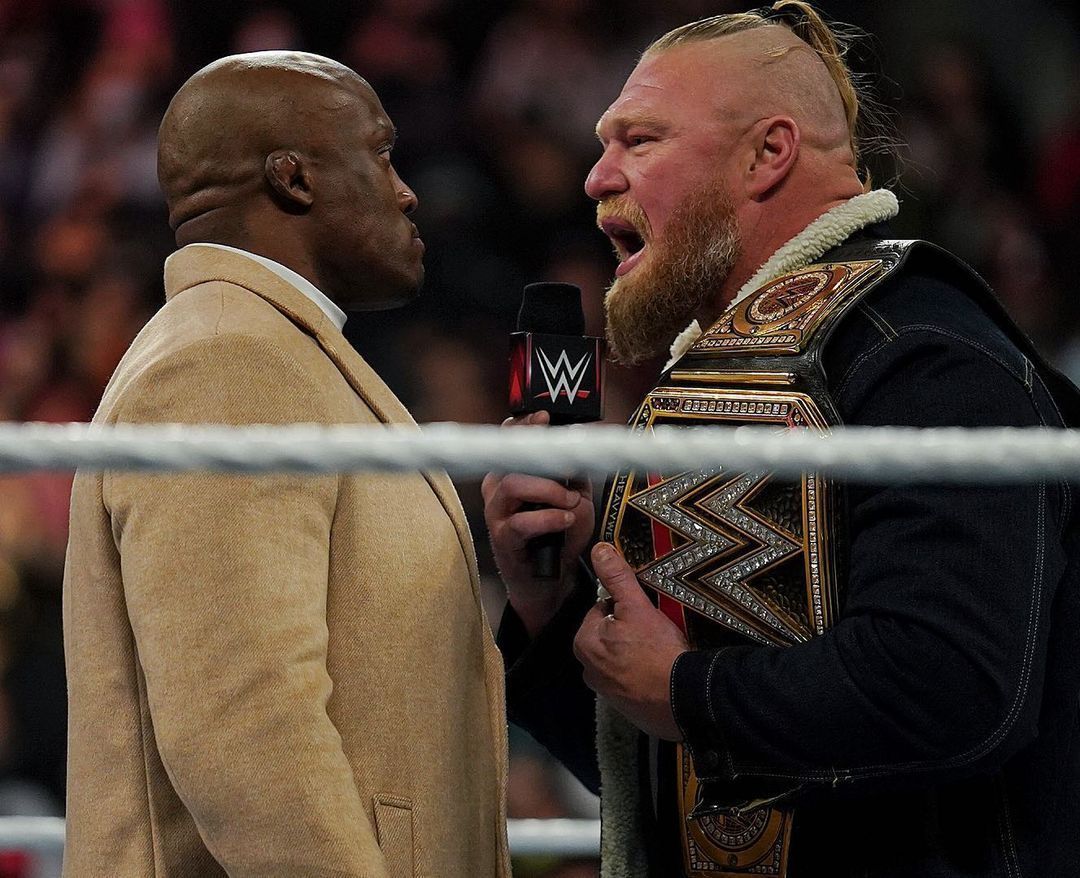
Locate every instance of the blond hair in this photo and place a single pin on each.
(866, 120)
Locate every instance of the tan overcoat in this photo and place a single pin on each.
(273, 676)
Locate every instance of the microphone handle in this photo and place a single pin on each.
(545, 551)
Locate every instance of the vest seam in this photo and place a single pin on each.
(848, 375)
(963, 339)
(880, 322)
(1012, 861)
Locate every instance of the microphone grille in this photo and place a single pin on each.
(552, 309)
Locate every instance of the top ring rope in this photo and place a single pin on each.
(866, 454)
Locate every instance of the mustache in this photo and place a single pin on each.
(624, 208)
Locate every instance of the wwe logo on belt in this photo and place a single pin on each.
(561, 377)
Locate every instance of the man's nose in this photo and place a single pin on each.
(407, 200)
(606, 178)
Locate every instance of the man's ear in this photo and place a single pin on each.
(776, 147)
(289, 180)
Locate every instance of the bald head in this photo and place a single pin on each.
(230, 116)
(287, 155)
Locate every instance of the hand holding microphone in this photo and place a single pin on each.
(555, 377)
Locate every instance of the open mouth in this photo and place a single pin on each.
(628, 243)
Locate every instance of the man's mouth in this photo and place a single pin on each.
(628, 242)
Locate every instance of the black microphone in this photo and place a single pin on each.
(555, 368)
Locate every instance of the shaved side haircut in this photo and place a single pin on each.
(868, 124)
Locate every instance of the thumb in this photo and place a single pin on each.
(617, 576)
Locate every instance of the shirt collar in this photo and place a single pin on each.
(336, 315)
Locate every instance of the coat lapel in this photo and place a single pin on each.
(197, 264)
(388, 409)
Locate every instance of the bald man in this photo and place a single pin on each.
(808, 679)
(242, 652)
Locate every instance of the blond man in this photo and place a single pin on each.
(810, 678)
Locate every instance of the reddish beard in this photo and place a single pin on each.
(683, 269)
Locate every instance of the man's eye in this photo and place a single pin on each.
(638, 139)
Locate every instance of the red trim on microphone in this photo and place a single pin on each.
(528, 359)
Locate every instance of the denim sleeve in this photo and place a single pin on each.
(545, 692)
(934, 668)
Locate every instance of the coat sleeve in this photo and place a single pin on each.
(934, 670)
(225, 580)
(545, 692)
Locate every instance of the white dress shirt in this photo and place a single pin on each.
(336, 315)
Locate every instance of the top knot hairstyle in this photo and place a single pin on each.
(868, 122)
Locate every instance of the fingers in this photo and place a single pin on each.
(593, 647)
(618, 577)
(506, 494)
(534, 489)
(526, 525)
(534, 419)
(588, 635)
(581, 484)
(489, 485)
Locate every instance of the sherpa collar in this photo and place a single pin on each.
(821, 235)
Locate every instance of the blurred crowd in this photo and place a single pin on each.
(495, 104)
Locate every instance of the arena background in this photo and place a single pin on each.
(495, 103)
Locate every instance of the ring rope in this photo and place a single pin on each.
(868, 454)
(551, 837)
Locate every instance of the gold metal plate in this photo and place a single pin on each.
(703, 376)
(730, 846)
(746, 552)
(781, 317)
(747, 558)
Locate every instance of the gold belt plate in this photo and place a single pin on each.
(735, 550)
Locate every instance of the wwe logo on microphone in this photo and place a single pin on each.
(561, 377)
(567, 386)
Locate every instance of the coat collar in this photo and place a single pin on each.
(199, 263)
(336, 315)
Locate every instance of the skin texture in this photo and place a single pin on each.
(754, 115)
(627, 648)
(287, 154)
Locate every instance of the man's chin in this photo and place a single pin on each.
(634, 339)
(397, 295)
(418, 284)
(644, 312)
(410, 287)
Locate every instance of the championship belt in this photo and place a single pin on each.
(743, 557)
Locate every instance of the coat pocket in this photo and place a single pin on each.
(394, 830)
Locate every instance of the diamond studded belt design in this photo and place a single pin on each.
(732, 557)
